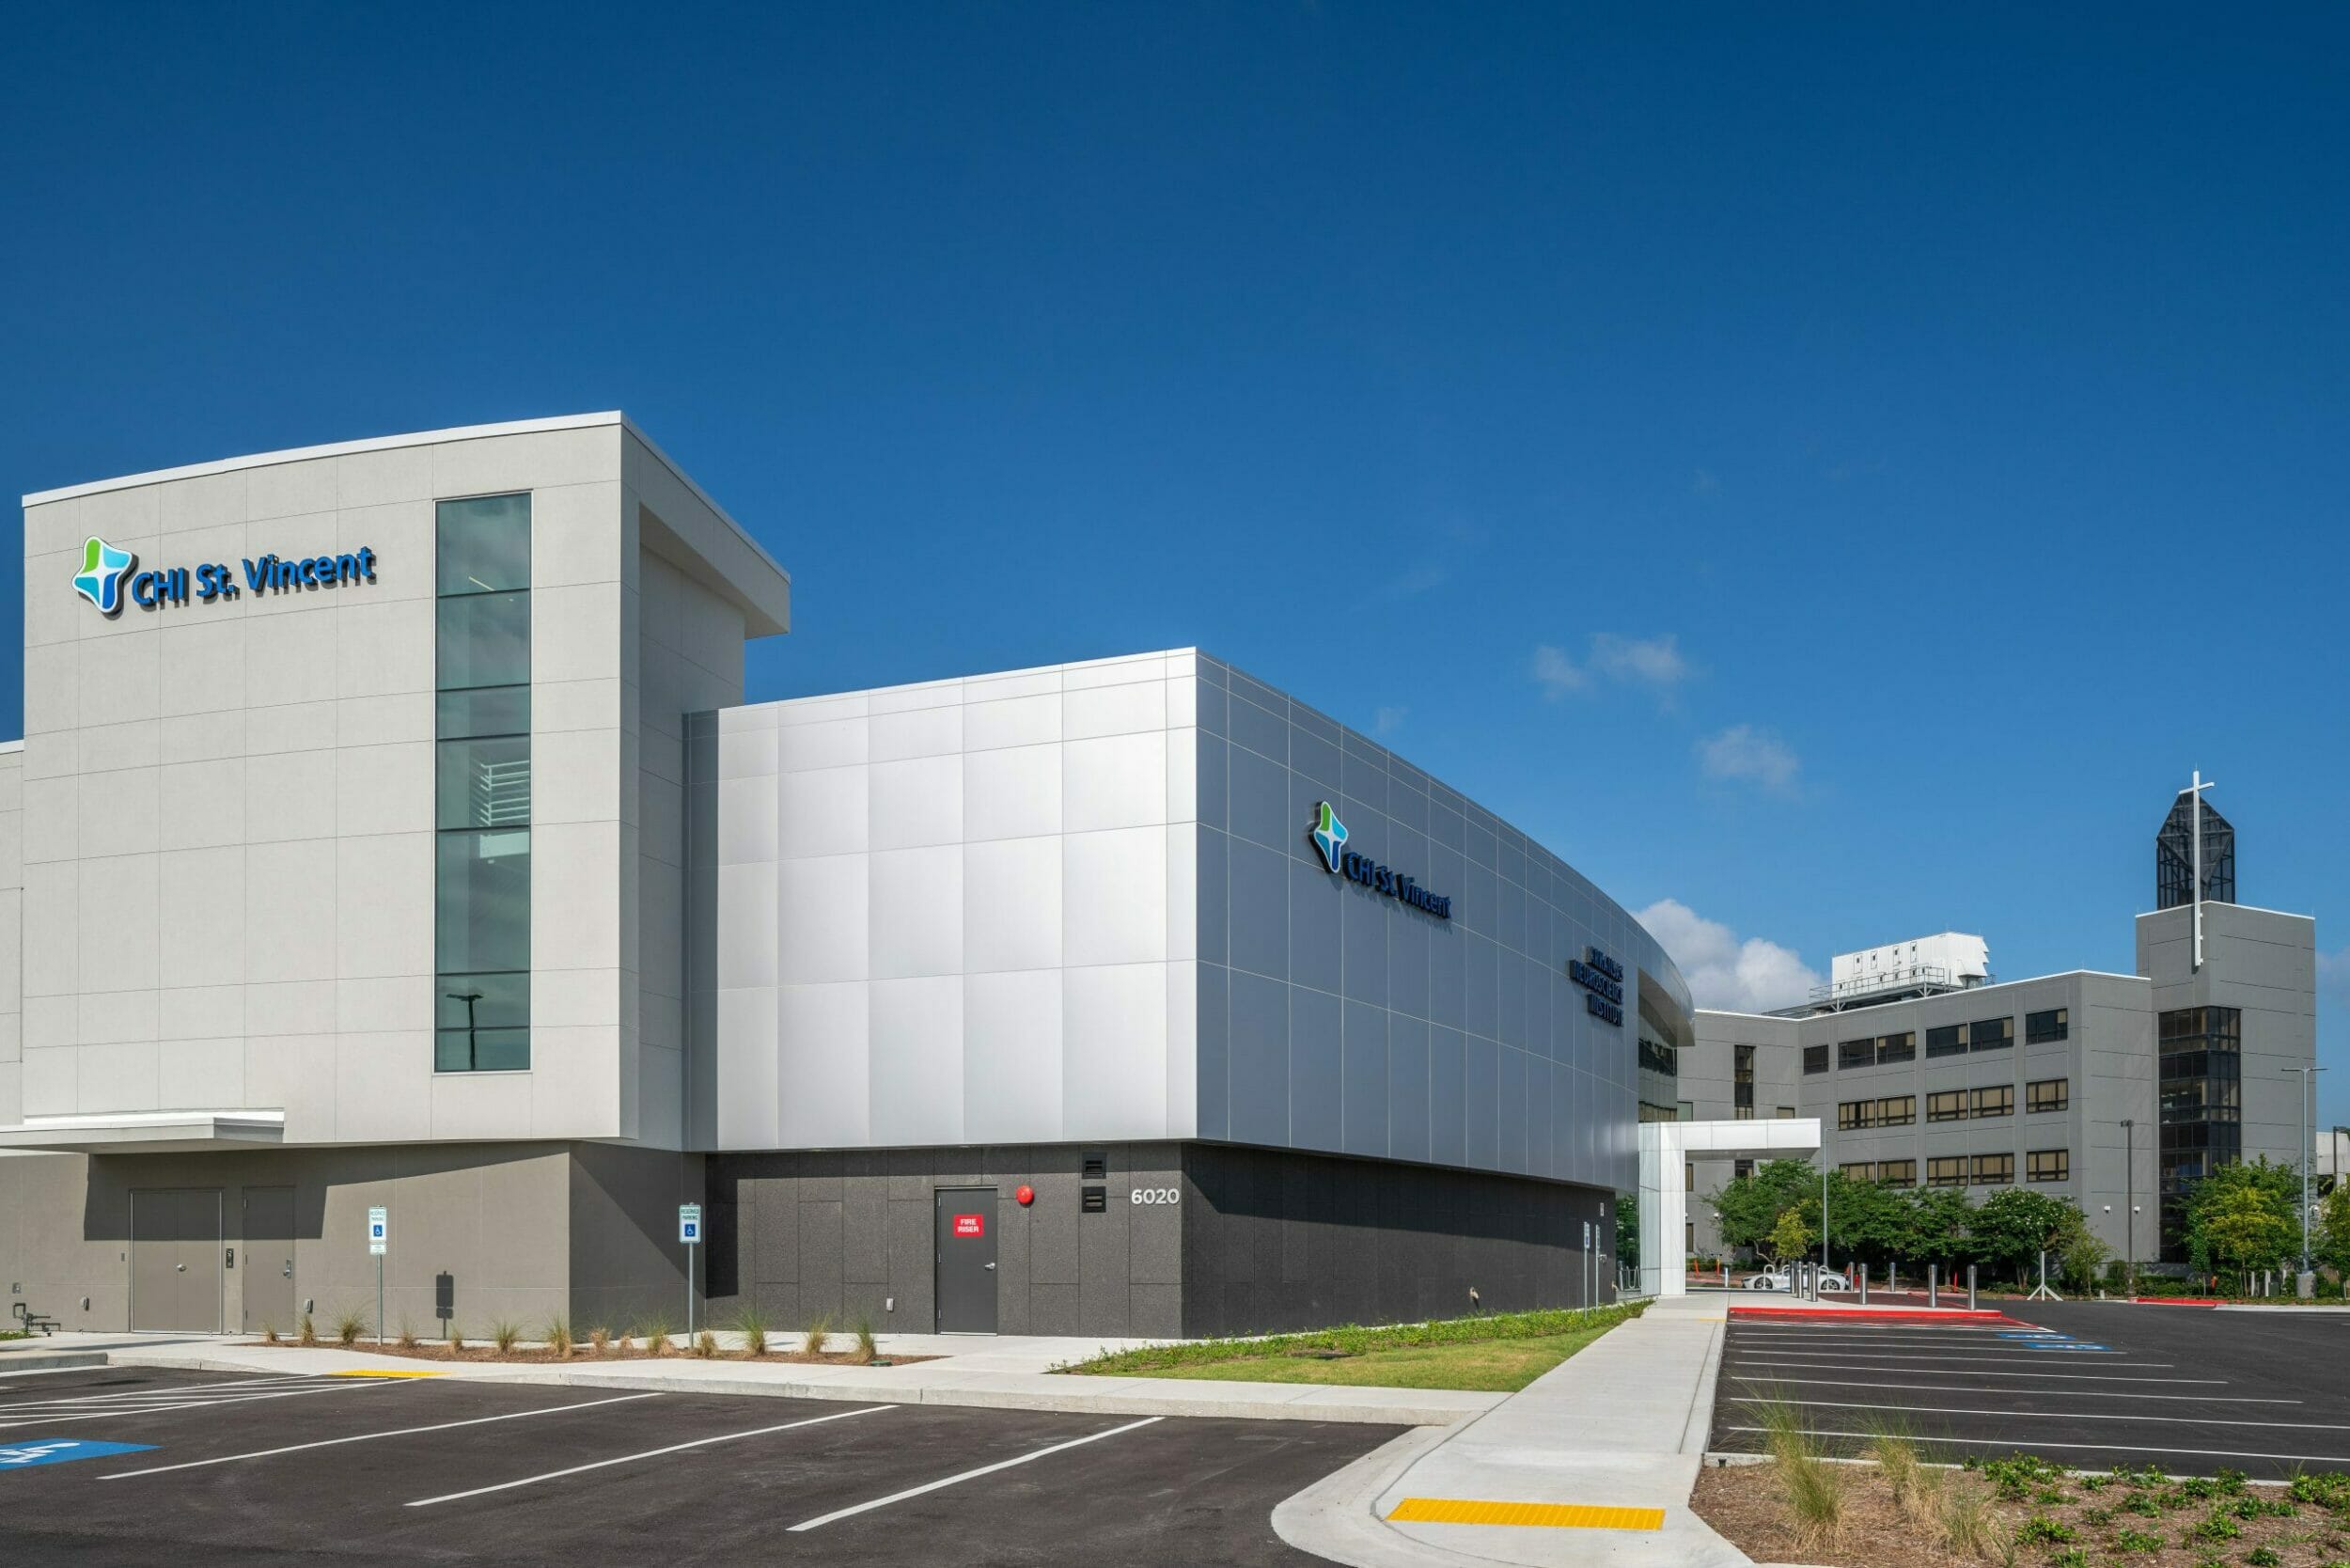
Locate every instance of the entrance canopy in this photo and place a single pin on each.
(173, 1132)
(1666, 1149)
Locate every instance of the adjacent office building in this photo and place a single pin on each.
(389, 831)
(2115, 1091)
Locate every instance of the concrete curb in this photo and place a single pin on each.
(1439, 1409)
(54, 1361)
(1337, 1517)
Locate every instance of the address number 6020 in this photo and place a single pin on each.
(1157, 1194)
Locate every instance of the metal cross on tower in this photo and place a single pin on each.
(2195, 833)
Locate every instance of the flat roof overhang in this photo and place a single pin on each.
(177, 1132)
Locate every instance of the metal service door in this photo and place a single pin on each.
(175, 1258)
(966, 1260)
(267, 1259)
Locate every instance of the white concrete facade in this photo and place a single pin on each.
(1667, 1148)
(227, 806)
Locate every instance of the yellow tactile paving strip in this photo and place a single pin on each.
(1465, 1511)
(381, 1371)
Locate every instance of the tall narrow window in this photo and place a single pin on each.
(481, 787)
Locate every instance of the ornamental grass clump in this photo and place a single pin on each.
(504, 1334)
(559, 1337)
(867, 1347)
(349, 1324)
(307, 1332)
(819, 1330)
(1814, 1489)
(752, 1325)
(600, 1340)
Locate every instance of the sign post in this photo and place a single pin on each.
(379, 1239)
(689, 1230)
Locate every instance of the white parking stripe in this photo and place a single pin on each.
(2096, 1448)
(649, 1453)
(2051, 1415)
(1949, 1360)
(154, 1391)
(372, 1437)
(2013, 1393)
(823, 1519)
(1842, 1365)
(164, 1406)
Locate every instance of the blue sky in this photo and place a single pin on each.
(1837, 470)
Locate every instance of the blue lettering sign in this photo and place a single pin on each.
(1602, 979)
(1329, 836)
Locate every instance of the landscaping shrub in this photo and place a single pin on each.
(819, 1330)
(1356, 1339)
(349, 1324)
(559, 1337)
(752, 1325)
(504, 1334)
(866, 1347)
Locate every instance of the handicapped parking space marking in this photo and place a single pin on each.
(60, 1451)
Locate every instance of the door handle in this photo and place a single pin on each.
(991, 1266)
(182, 1267)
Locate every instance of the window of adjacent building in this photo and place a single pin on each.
(1990, 1034)
(1688, 1175)
(2200, 1092)
(481, 786)
(1946, 1171)
(1684, 1110)
(1851, 1114)
(1897, 1047)
(1786, 1113)
(1689, 1235)
(1949, 1105)
(1992, 1171)
(1815, 1059)
(1896, 1110)
(1859, 1170)
(1901, 1173)
(2040, 1028)
(1741, 1083)
(2048, 1164)
(1997, 1101)
(1741, 1169)
(1945, 1042)
(2048, 1094)
(1856, 1053)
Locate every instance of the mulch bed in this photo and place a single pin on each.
(2188, 1526)
(435, 1350)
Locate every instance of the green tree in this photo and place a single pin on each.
(2329, 1231)
(1939, 1220)
(1790, 1237)
(2244, 1217)
(1868, 1221)
(1747, 1209)
(2013, 1227)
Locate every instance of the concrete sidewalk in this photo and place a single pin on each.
(1004, 1374)
(1622, 1425)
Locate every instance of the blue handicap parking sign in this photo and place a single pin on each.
(60, 1451)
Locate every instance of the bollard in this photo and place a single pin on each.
(1970, 1287)
(1934, 1284)
(1864, 1284)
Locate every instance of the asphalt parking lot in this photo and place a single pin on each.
(118, 1465)
(2087, 1385)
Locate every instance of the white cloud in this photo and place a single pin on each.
(2333, 975)
(1386, 721)
(1744, 753)
(1749, 975)
(1558, 674)
(1654, 663)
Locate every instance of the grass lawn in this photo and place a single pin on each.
(1492, 1366)
(1500, 1354)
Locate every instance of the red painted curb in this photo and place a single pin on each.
(2177, 1301)
(1875, 1314)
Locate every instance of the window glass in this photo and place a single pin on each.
(1897, 1047)
(1899, 1110)
(1990, 1034)
(1947, 1172)
(2048, 1164)
(482, 902)
(1815, 1059)
(2039, 1027)
(2049, 1094)
(1998, 1101)
(1901, 1173)
(1943, 1041)
(482, 1001)
(1992, 1171)
(481, 1051)
(483, 783)
(1949, 1105)
(484, 711)
(485, 640)
(484, 544)
(1856, 1053)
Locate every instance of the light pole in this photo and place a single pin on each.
(2309, 1153)
(2129, 1198)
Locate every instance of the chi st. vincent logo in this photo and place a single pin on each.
(108, 582)
(103, 567)
(1329, 835)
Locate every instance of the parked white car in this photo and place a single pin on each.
(1831, 1283)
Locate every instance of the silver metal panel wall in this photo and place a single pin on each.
(1335, 1018)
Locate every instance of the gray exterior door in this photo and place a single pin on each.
(267, 1261)
(175, 1258)
(966, 1260)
